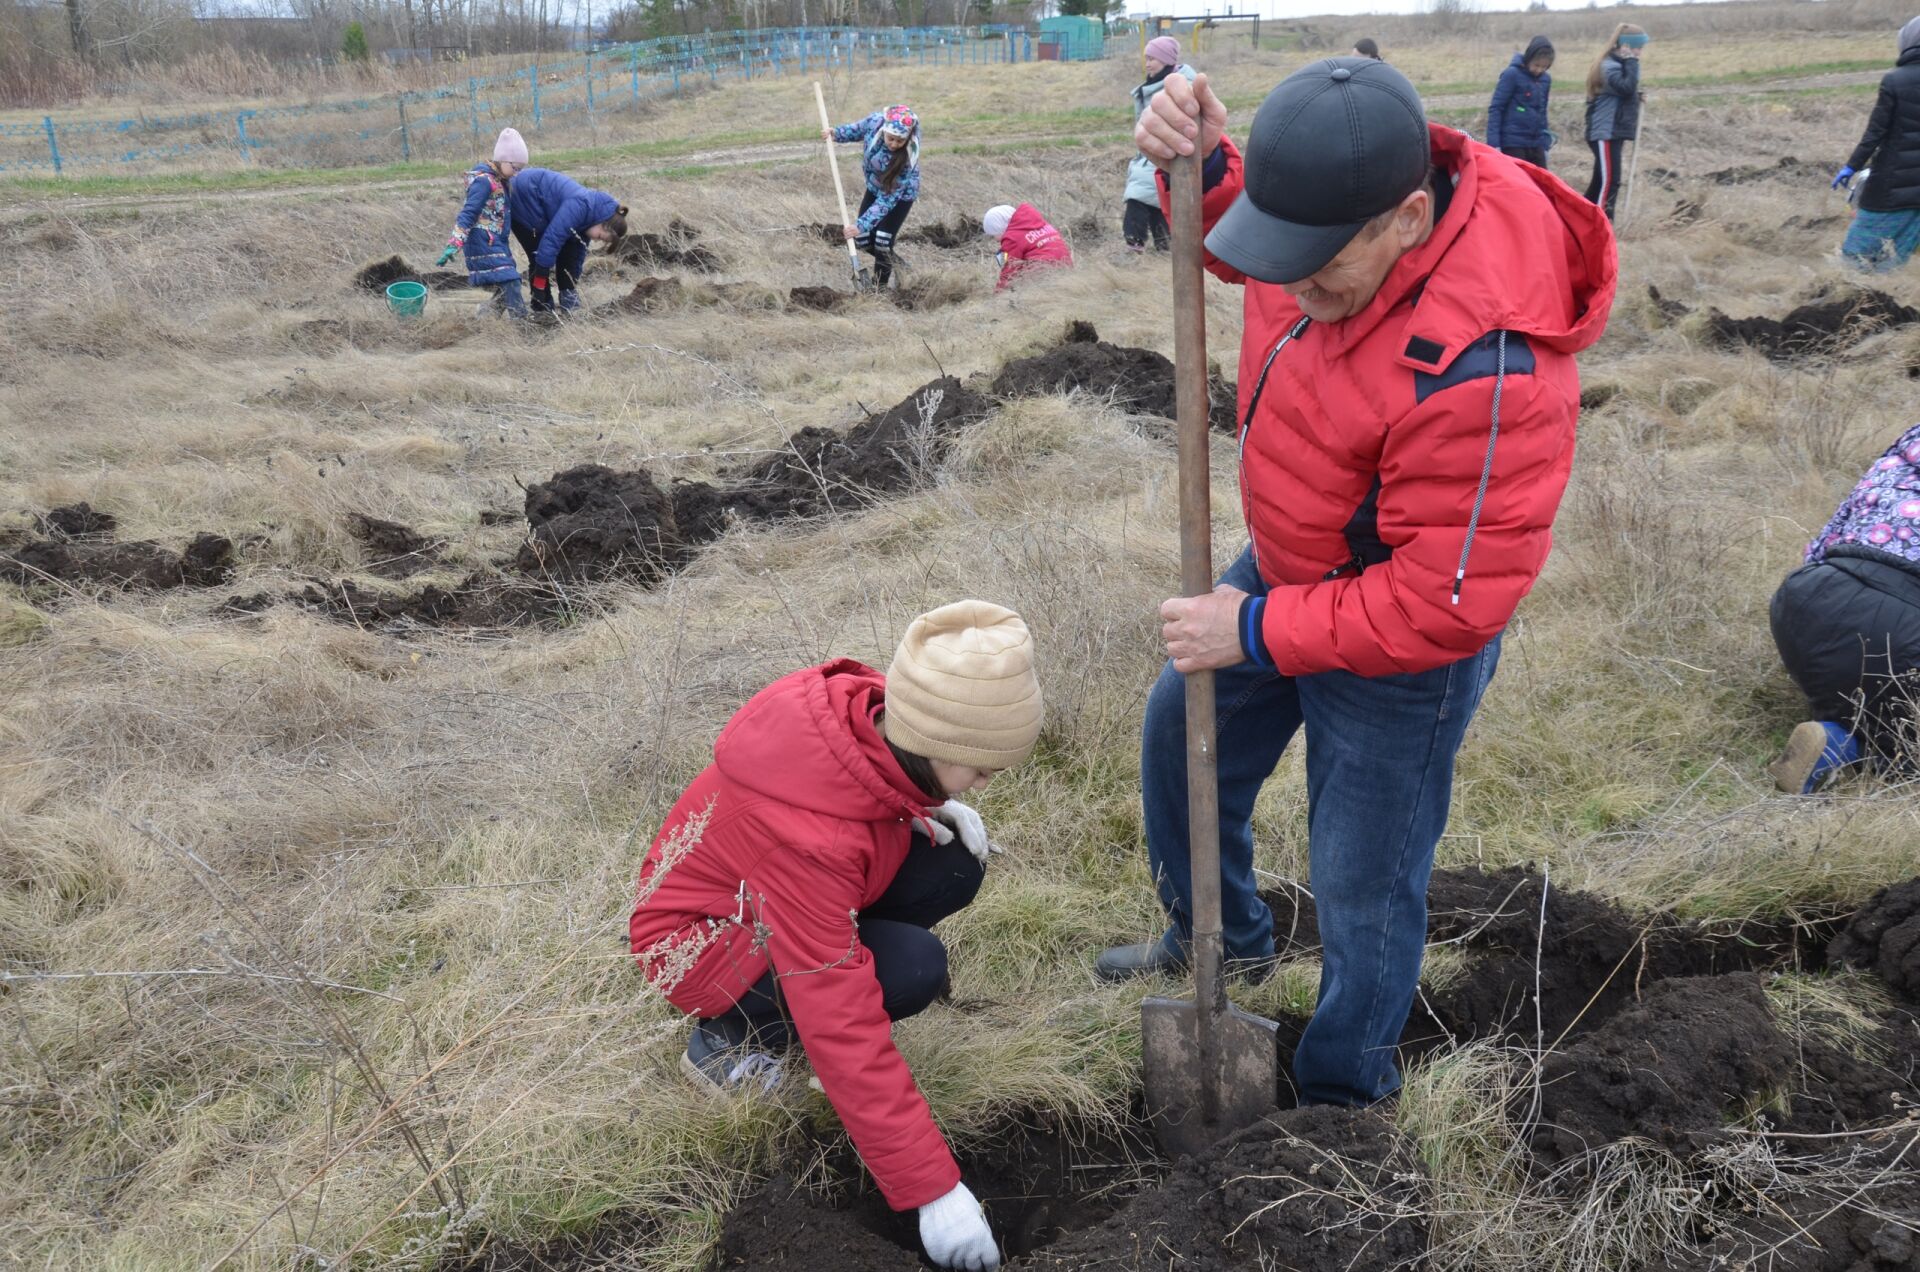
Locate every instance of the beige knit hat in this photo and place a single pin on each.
(962, 689)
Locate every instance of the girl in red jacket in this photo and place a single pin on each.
(793, 886)
(1027, 241)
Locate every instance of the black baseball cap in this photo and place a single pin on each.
(1335, 145)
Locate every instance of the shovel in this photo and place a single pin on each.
(862, 280)
(1209, 1068)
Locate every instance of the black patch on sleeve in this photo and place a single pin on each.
(1478, 361)
(1424, 351)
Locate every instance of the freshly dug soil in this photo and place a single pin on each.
(955, 232)
(1826, 325)
(394, 551)
(205, 562)
(1323, 1189)
(678, 247)
(1883, 937)
(824, 231)
(1136, 380)
(1790, 169)
(481, 600)
(650, 295)
(822, 298)
(591, 522)
(1593, 958)
(1672, 1070)
(822, 471)
(1036, 1178)
(76, 521)
(376, 277)
(1878, 1232)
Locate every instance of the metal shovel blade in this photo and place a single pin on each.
(1249, 1051)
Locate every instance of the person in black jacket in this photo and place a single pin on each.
(1886, 223)
(1847, 624)
(1517, 116)
(1613, 110)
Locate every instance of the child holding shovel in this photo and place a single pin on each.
(792, 887)
(1027, 241)
(890, 158)
(481, 228)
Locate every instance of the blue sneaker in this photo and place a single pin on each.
(1817, 751)
(725, 1066)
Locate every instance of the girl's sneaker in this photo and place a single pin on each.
(1817, 751)
(723, 1066)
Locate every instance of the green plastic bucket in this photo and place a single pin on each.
(406, 298)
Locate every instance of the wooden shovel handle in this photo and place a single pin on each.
(833, 162)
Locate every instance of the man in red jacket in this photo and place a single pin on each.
(1407, 403)
(1027, 241)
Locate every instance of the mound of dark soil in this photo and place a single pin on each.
(1827, 325)
(1035, 1178)
(591, 522)
(1883, 937)
(1790, 169)
(823, 471)
(955, 232)
(1330, 1189)
(379, 275)
(481, 600)
(76, 521)
(678, 247)
(822, 298)
(205, 562)
(1692, 1056)
(1136, 380)
(1808, 1231)
(650, 295)
(824, 231)
(394, 551)
(1088, 229)
(1593, 958)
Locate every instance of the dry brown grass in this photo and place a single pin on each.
(448, 827)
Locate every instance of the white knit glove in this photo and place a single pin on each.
(955, 1232)
(953, 818)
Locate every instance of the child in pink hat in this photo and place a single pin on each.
(481, 229)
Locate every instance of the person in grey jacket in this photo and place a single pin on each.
(1143, 217)
(1613, 110)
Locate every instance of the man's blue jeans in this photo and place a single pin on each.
(1379, 778)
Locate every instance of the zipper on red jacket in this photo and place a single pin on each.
(1246, 427)
(1486, 466)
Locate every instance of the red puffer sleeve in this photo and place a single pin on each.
(1219, 196)
(1399, 616)
(807, 904)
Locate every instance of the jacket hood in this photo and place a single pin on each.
(809, 740)
(1517, 250)
(1026, 218)
(1535, 47)
(1909, 55)
(601, 206)
(1518, 61)
(1909, 37)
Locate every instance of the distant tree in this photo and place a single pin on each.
(353, 45)
(1089, 8)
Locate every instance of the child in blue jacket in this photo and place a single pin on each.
(891, 162)
(554, 218)
(481, 228)
(1517, 116)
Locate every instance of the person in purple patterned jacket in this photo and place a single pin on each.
(1847, 624)
(890, 158)
(481, 229)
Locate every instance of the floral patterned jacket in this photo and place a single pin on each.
(1882, 516)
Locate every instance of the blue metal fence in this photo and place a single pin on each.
(462, 117)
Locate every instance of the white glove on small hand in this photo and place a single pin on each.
(952, 818)
(955, 1232)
